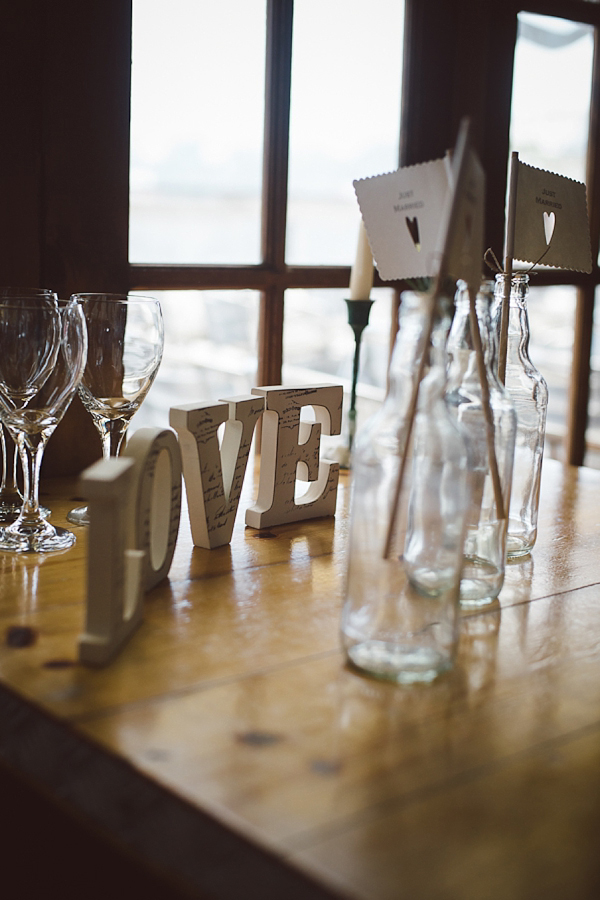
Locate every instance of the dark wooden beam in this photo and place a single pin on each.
(428, 127)
(497, 42)
(226, 278)
(21, 144)
(85, 175)
(278, 77)
(458, 61)
(87, 76)
(270, 337)
(584, 314)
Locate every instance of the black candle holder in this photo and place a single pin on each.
(358, 319)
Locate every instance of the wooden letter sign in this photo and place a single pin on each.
(214, 475)
(135, 507)
(155, 510)
(290, 451)
(114, 577)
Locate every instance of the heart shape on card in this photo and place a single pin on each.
(413, 229)
(549, 223)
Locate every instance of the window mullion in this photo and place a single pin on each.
(584, 316)
(277, 126)
(275, 178)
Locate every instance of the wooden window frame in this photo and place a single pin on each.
(272, 277)
(473, 43)
(65, 107)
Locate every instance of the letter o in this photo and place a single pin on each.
(156, 503)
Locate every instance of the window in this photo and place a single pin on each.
(65, 217)
(197, 109)
(549, 128)
(554, 124)
(197, 126)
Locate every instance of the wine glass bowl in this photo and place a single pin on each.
(37, 384)
(125, 345)
(29, 337)
(11, 498)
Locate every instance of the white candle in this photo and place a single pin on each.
(361, 277)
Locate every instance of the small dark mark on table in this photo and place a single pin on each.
(59, 663)
(20, 636)
(259, 738)
(325, 767)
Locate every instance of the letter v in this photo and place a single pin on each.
(214, 475)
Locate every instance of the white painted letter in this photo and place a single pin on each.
(214, 476)
(290, 450)
(156, 506)
(114, 576)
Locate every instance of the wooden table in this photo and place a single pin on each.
(229, 748)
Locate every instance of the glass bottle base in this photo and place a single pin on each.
(400, 663)
(480, 583)
(517, 546)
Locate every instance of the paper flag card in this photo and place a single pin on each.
(464, 241)
(402, 212)
(551, 221)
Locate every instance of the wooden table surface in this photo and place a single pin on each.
(229, 746)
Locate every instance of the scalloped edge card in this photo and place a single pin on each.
(464, 243)
(402, 212)
(551, 220)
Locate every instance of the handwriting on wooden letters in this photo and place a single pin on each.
(155, 509)
(214, 475)
(290, 451)
(135, 499)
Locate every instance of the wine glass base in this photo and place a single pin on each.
(48, 540)
(11, 502)
(9, 512)
(79, 516)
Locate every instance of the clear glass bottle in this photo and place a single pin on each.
(529, 394)
(485, 540)
(400, 614)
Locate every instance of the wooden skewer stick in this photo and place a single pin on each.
(459, 167)
(412, 409)
(509, 249)
(487, 409)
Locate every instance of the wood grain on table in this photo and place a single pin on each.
(231, 712)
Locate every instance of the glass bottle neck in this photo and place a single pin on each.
(462, 360)
(411, 338)
(434, 377)
(519, 290)
(518, 319)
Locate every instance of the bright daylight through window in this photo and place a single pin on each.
(549, 129)
(196, 162)
(196, 165)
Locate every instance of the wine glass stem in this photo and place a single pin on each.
(112, 434)
(9, 488)
(31, 460)
(5, 462)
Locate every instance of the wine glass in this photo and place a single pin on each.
(11, 498)
(125, 345)
(43, 346)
